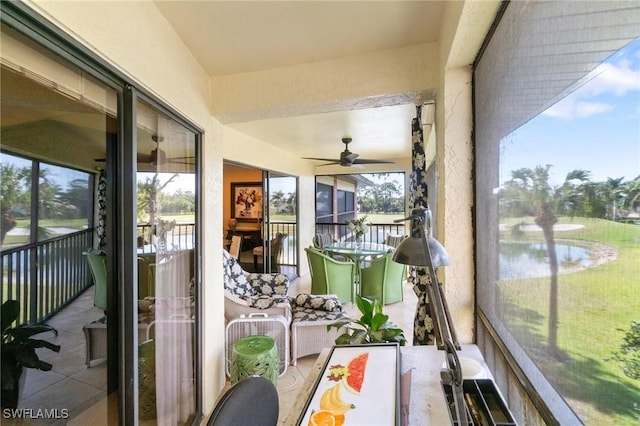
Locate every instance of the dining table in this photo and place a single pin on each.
(358, 252)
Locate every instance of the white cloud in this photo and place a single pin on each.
(607, 79)
(617, 79)
(570, 107)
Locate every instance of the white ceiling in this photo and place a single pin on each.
(231, 37)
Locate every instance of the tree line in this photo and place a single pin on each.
(578, 195)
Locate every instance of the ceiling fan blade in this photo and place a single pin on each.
(320, 159)
(181, 158)
(189, 163)
(144, 158)
(364, 161)
(329, 164)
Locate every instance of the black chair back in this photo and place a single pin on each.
(250, 402)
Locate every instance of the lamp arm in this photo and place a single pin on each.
(452, 376)
(437, 303)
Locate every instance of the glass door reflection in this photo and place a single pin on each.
(166, 212)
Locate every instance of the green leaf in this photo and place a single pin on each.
(378, 321)
(365, 306)
(340, 323)
(10, 313)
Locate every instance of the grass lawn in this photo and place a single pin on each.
(593, 305)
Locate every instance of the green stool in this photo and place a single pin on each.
(255, 356)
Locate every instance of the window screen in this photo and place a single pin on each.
(557, 110)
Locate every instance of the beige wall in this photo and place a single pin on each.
(159, 61)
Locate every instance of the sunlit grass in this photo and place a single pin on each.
(593, 305)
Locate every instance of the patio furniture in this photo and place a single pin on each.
(236, 246)
(276, 246)
(254, 356)
(259, 324)
(247, 293)
(331, 276)
(383, 280)
(393, 240)
(146, 275)
(311, 315)
(252, 401)
(322, 240)
(95, 334)
(98, 266)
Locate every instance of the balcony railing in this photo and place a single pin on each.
(377, 231)
(289, 256)
(45, 276)
(181, 236)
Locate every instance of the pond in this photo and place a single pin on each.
(525, 260)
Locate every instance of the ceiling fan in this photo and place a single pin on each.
(158, 157)
(348, 158)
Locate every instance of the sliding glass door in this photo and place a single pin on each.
(93, 167)
(166, 239)
(280, 224)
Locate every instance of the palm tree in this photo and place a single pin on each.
(631, 200)
(614, 193)
(536, 191)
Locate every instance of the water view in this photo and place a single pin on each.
(527, 260)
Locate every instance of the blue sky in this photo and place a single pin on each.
(595, 128)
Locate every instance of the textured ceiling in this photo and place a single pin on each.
(235, 37)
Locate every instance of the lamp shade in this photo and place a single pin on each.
(411, 251)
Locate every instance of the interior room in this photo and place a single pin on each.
(185, 205)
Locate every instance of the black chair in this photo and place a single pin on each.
(250, 402)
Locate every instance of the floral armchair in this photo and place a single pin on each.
(247, 293)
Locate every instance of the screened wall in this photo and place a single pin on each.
(557, 96)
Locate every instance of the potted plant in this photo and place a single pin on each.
(372, 327)
(19, 351)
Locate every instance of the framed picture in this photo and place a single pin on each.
(246, 201)
(358, 385)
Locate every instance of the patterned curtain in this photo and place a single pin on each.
(418, 197)
(102, 210)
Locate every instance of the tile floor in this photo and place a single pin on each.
(82, 390)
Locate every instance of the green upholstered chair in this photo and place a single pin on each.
(330, 276)
(98, 266)
(382, 280)
(146, 275)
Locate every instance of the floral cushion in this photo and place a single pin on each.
(307, 314)
(323, 302)
(234, 277)
(261, 291)
(264, 302)
(269, 284)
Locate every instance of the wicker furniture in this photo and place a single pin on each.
(382, 280)
(247, 293)
(330, 276)
(311, 315)
(98, 266)
(95, 334)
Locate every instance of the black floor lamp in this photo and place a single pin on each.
(422, 251)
